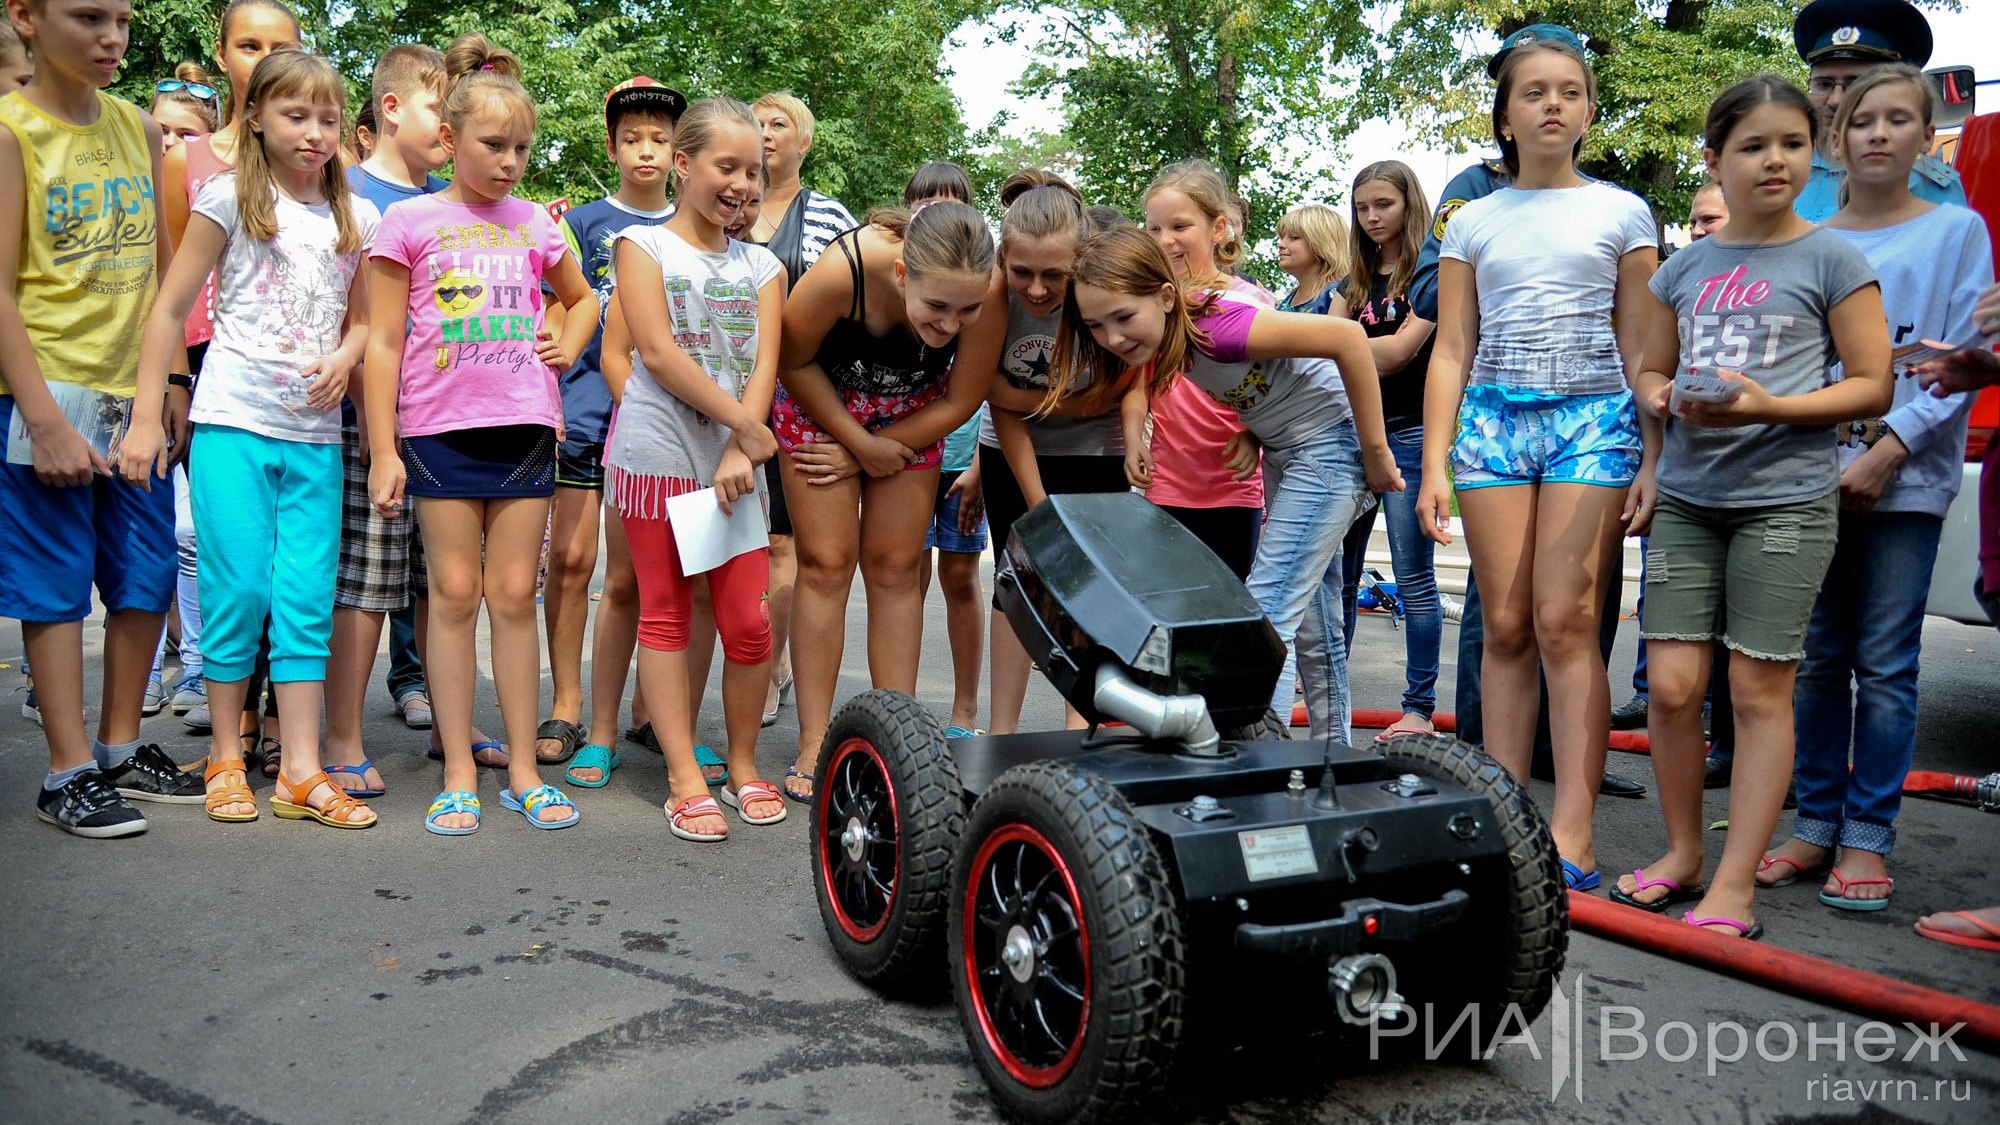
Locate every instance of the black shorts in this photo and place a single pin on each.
(1060, 476)
(1231, 533)
(490, 463)
(781, 516)
(580, 464)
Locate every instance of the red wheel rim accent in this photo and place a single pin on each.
(861, 889)
(1041, 911)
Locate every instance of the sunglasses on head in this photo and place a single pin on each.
(173, 85)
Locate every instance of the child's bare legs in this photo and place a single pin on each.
(488, 756)
(1677, 679)
(1577, 529)
(350, 662)
(828, 539)
(784, 575)
(612, 641)
(1762, 692)
(130, 638)
(664, 674)
(566, 602)
(55, 652)
(1008, 690)
(895, 511)
(965, 622)
(513, 553)
(1500, 536)
(452, 531)
(225, 744)
(301, 700)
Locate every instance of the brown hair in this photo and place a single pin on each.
(229, 17)
(402, 70)
(208, 109)
(477, 70)
(1731, 106)
(282, 74)
(942, 237)
(1038, 204)
(697, 127)
(1200, 182)
(1416, 224)
(1510, 152)
(1128, 261)
(939, 179)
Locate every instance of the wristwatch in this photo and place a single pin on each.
(177, 379)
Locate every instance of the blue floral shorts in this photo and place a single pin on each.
(1514, 437)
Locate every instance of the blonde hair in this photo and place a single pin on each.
(788, 103)
(478, 70)
(1325, 234)
(1200, 182)
(1416, 224)
(704, 119)
(942, 237)
(1885, 75)
(283, 74)
(208, 109)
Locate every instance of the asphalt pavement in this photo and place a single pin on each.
(285, 972)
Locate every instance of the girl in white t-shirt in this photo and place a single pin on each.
(285, 240)
(1544, 443)
(703, 311)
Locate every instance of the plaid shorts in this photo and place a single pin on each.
(381, 557)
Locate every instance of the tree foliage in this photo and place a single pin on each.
(873, 72)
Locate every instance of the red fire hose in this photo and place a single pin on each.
(1796, 974)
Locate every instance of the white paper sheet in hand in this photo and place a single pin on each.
(707, 538)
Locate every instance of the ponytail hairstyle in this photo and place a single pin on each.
(1731, 106)
(289, 74)
(1325, 233)
(1128, 261)
(942, 237)
(1410, 239)
(699, 125)
(478, 71)
(1039, 204)
(1885, 75)
(1200, 182)
(940, 179)
(209, 109)
(229, 17)
(1510, 152)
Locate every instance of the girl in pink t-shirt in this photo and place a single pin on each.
(459, 347)
(1184, 469)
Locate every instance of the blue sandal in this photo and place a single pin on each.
(530, 803)
(1576, 880)
(360, 771)
(603, 759)
(706, 757)
(447, 803)
(436, 754)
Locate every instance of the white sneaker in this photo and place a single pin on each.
(416, 709)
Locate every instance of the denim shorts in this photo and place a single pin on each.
(1512, 437)
(943, 533)
(1747, 575)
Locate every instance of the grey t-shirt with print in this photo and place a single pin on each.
(1761, 310)
(1024, 363)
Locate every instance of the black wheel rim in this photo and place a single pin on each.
(859, 839)
(1027, 955)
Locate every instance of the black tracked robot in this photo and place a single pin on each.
(1081, 888)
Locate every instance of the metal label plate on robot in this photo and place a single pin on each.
(1277, 853)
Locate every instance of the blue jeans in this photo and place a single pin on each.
(1858, 683)
(1312, 492)
(406, 672)
(186, 597)
(1410, 556)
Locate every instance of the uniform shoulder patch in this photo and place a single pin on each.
(1443, 217)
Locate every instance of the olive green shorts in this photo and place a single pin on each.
(1747, 575)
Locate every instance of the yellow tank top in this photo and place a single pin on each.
(88, 247)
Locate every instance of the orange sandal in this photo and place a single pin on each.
(230, 793)
(289, 803)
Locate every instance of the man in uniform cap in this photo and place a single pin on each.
(1842, 40)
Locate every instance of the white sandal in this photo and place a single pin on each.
(692, 809)
(750, 791)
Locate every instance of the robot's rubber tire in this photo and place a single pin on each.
(886, 813)
(1523, 932)
(1056, 860)
(1270, 728)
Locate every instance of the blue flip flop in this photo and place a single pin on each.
(531, 802)
(1576, 880)
(603, 759)
(447, 803)
(360, 771)
(705, 756)
(436, 754)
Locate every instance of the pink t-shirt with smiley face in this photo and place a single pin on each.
(474, 311)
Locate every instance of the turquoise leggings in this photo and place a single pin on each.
(267, 513)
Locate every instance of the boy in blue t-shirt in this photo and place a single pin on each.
(639, 119)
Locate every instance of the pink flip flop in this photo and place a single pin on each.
(691, 809)
(1844, 901)
(751, 791)
(1408, 724)
(1991, 941)
(1752, 931)
(1799, 870)
(1675, 893)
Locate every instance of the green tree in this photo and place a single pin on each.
(1658, 66)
